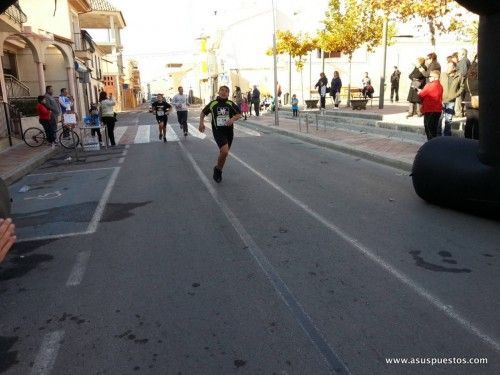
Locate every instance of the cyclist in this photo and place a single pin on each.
(161, 109)
(224, 114)
(180, 102)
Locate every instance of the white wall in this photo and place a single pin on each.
(41, 16)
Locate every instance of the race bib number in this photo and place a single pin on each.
(221, 120)
(160, 113)
(178, 107)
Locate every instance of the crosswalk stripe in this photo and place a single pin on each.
(247, 131)
(119, 131)
(171, 135)
(143, 134)
(195, 132)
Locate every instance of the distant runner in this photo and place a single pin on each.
(161, 109)
(180, 102)
(224, 114)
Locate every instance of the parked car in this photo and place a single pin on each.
(5, 200)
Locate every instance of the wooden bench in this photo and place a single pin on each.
(358, 101)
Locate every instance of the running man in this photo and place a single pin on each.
(161, 109)
(180, 102)
(224, 114)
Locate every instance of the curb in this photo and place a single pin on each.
(373, 156)
(27, 166)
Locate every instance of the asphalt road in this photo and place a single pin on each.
(302, 260)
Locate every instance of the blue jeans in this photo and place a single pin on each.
(448, 112)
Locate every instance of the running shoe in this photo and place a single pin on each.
(185, 134)
(159, 137)
(217, 175)
(164, 139)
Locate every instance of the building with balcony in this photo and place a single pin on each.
(104, 23)
(132, 90)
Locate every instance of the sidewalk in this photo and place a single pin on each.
(395, 152)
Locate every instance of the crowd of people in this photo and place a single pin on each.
(439, 94)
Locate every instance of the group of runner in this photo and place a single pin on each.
(224, 114)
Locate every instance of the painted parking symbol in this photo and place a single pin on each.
(53, 195)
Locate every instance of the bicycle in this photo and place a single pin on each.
(68, 138)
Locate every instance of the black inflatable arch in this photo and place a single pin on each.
(464, 173)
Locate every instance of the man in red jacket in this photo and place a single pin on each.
(44, 117)
(432, 104)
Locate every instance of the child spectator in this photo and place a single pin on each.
(295, 105)
(245, 107)
(95, 122)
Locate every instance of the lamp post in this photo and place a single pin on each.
(384, 64)
(276, 118)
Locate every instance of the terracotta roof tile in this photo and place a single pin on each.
(103, 5)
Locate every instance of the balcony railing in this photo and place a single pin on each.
(15, 88)
(15, 13)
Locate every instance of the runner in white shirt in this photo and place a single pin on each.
(180, 102)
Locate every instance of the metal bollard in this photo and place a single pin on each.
(307, 123)
(316, 118)
(300, 123)
(324, 120)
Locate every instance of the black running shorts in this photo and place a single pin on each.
(223, 135)
(162, 119)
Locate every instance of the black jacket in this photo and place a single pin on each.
(418, 81)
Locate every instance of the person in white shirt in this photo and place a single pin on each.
(65, 101)
(108, 118)
(180, 102)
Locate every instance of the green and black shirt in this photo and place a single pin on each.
(222, 110)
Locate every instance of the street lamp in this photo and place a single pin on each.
(276, 118)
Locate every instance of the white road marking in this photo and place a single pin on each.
(304, 320)
(102, 203)
(76, 275)
(171, 135)
(422, 292)
(75, 171)
(53, 195)
(47, 354)
(143, 133)
(119, 131)
(195, 132)
(247, 131)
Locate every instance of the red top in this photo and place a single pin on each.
(43, 112)
(432, 97)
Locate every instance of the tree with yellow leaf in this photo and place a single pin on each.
(297, 46)
(440, 15)
(350, 25)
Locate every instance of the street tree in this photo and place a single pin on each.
(350, 25)
(440, 15)
(297, 46)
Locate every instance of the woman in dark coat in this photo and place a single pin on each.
(417, 77)
(471, 129)
(335, 88)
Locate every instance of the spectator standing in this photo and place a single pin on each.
(95, 122)
(431, 96)
(321, 86)
(463, 65)
(417, 77)
(453, 86)
(238, 96)
(255, 100)
(55, 110)
(472, 101)
(44, 118)
(106, 109)
(244, 107)
(335, 89)
(395, 76)
(295, 106)
(65, 101)
(432, 64)
(249, 100)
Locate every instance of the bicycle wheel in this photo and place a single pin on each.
(69, 139)
(34, 137)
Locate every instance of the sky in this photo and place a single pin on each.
(159, 32)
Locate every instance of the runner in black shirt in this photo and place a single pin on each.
(161, 109)
(224, 114)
